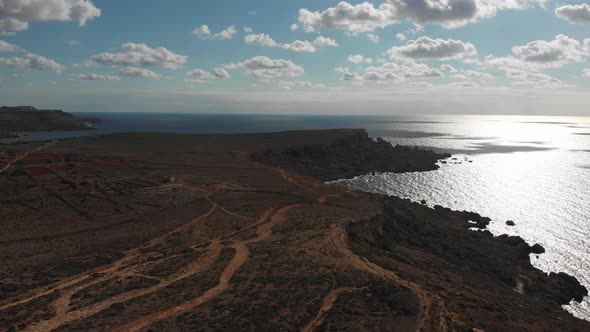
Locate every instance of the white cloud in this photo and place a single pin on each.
(261, 39)
(200, 74)
(264, 67)
(204, 33)
(401, 36)
(141, 55)
(325, 42)
(586, 72)
(366, 17)
(425, 48)
(404, 71)
(300, 46)
(473, 74)
(15, 15)
(94, 77)
(299, 84)
(555, 53)
(139, 72)
(33, 61)
(8, 47)
(466, 84)
(220, 73)
(296, 46)
(577, 14)
(363, 17)
(534, 79)
(358, 58)
(73, 42)
(248, 30)
(448, 68)
(373, 38)
(294, 27)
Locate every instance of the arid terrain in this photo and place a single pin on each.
(165, 232)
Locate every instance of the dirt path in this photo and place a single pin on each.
(425, 299)
(26, 154)
(327, 305)
(264, 231)
(129, 256)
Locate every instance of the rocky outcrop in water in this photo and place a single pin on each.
(352, 155)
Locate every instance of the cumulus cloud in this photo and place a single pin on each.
(299, 84)
(33, 61)
(248, 30)
(472, 74)
(366, 17)
(425, 48)
(141, 55)
(300, 46)
(200, 74)
(294, 27)
(448, 68)
(8, 47)
(534, 79)
(466, 84)
(374, 38)
(139, 72)
(577, 14)
(398, 72)
(264, 67)
(586, 72)
(296, 46)
(94, 77)
(401, 36)
(15, 15)
(261, 39)
(205, 33)
(325, 42)
(358, 58)
(220, 73)
(555, 53)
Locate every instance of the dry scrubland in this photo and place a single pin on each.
(166, 232)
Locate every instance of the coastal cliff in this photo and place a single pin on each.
(28, 118)
(350, 155)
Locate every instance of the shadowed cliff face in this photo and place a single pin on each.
(28, 118)
(355, 154)
(484, 282)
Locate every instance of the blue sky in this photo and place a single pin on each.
(381, 57)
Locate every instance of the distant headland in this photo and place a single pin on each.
(29, 119)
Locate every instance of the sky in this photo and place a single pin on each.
(529, 57)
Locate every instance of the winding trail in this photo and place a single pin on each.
(241, 255)
(327, 305)
(26, 154)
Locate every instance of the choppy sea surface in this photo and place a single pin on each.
(532, 170)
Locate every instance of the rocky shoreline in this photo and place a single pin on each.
(349, 156)
(478, 281)
(481, 281)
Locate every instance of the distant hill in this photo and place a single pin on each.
(28, 118)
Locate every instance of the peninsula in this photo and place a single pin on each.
(169, 232)
(28, 118)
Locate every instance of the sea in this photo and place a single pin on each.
(532, 170)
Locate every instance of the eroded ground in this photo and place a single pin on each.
(155, 232)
